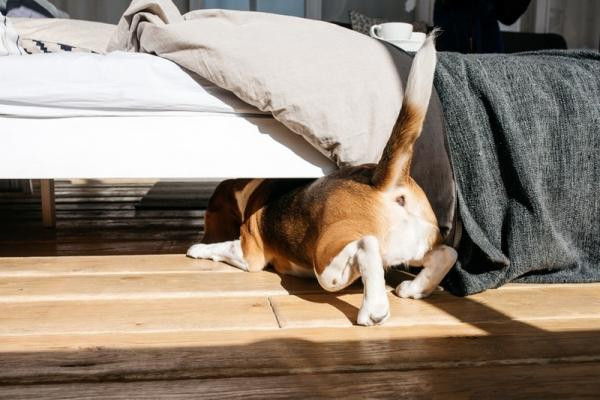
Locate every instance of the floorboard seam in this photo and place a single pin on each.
(274, 312)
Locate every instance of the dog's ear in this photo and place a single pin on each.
(394, 167)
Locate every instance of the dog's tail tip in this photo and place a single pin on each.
(420, 79)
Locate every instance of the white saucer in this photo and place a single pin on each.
(407, 45)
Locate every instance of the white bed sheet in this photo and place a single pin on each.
(85, 84)
(190, 146)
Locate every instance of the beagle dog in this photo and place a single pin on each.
(350, 224)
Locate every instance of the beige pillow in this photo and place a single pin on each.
(51, 33)
(337, 88)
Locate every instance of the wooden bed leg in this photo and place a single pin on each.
(28, 186)
(48, 204)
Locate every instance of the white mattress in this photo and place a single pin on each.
(191, 146)
(126, 115)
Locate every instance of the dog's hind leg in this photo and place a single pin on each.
(375, 308)
(360, 258)
(436, 265)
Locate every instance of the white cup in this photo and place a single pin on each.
(392, 31)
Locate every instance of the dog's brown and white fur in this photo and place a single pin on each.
(352, 223)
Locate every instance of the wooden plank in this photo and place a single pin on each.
(185, 237)
(84, 206)
(102, 265)
(110, 182)
(565, 330)
(565, 381)
(48, 203)
(443, 308)
(11, 215)
(84, 233)
(155, 263)
(199, 314)
(105, 224)
(67, 200)
(112, 211)
(86, 191)
(165, 189)
(207, 354)
(528, 286)
(165, 245)
(151, 286)
(147, 222)
(101, 224)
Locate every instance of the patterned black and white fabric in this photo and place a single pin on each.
(32, 46)
(12, 44)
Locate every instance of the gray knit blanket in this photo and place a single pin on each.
(523, 133)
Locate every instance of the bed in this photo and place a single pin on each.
(515, 150)
(127, 115)
(88, 100)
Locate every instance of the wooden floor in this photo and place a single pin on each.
(95, 218)
(87, 319)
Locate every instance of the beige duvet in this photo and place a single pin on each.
(337, 88)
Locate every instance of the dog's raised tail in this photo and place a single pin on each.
(394, 166)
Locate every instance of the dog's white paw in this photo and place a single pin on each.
(199, 251)
(374, 312)
(411, 290)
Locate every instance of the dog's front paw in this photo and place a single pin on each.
(374, 312)
(199, 251)
(411, 290)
